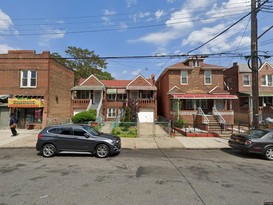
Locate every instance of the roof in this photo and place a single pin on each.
(243, 68)
(116, 83)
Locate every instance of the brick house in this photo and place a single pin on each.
(194, 91)
(238, 78)
(109, 97)
(37, 89)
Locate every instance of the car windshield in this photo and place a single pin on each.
(256, 133)
(91, 130)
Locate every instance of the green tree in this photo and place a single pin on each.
(84, 63)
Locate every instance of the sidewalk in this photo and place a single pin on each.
(28, 138)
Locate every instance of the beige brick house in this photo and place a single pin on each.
(37, 89)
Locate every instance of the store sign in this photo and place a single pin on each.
(25, 103)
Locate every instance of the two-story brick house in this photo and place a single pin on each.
(239, 81)
(193, 90)
(37, 87)
(109, 97)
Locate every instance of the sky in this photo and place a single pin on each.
(119, 28)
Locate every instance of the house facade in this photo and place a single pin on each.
(34, 87)
(194, 91)
(110, 97)
(239, 80)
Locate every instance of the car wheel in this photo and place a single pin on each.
(269, 153)
(102, 151)
(49, 150)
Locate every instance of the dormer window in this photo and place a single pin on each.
(195, 63)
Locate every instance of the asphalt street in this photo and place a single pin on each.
(160, 176)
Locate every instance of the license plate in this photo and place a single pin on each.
(237, 140)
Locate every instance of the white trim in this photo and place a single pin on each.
(29, 71)
(213, 89)
(139, 75)
(187, 77)
(209, 77)
(91, 77)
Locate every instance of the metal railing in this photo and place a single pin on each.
(218, 116)
(201, 112)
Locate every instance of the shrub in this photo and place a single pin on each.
(179, 123)
(116, 131)
(132, 131)
(84, 116)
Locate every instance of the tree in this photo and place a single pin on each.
(84, 63)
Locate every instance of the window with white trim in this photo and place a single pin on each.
(208, 77)
(195, 63)
(184, 77)
(28, 79)
(246, 80)
(267, 80)
(111, 112)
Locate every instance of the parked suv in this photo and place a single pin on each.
(76, 138)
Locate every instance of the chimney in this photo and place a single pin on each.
(153, 78)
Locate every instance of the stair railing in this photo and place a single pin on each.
(99, 109)
(218, 116)
(89, 105)
(201, 112)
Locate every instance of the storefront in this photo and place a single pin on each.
(28, 110)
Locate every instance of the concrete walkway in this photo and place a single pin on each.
(28, 138)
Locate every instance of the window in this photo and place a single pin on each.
(83, 94)
(146, 94)
(267, 80)
(184, 77)
(111, 112)
(79, 132)
(65, 131)
(28, 78)
(122, 96)
(246, 79)
(195, 63)
(189, 104)
(111, 96)
(208, 77)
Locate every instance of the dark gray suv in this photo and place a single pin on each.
(76, 138)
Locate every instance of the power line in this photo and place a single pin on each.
(227, 28)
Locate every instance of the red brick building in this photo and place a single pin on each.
(194, 91)
(38, 88)
(239, 80)
(109, 97)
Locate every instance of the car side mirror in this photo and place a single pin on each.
(87, 135)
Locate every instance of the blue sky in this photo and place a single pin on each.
(134, 28)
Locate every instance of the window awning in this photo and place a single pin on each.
(111, 91)
(261, 94)
(204, 96)
(4, 97)
(121, 91)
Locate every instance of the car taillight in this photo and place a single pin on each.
(39, 135)
(248, 142)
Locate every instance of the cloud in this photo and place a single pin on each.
(171, 1)
(107, 15)
(159, 13)
(180, 20)
(131, 3)
(123, 26)
(46, 39)
(4, 48)
(5, 21)
(224, 42)
(136, 72)
(139, 15)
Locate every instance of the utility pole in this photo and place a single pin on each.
(254, 65)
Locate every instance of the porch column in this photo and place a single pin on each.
(225, 105)
(230, 104)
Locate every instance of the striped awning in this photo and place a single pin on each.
(121, 91)
(111, 91)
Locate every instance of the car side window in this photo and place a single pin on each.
(56, 130)
(65, 131)
(79, 132)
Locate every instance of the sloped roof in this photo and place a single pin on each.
(115, 83)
